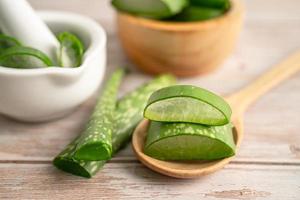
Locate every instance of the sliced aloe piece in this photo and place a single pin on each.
(24, 57)
(187, 141)
(195, 13)
(71, 50)
(7, 42)
(129, 112)
(218, 4)
(186, 103)
(95, 142)
(151, 8)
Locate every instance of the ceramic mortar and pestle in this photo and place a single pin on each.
(41, 94)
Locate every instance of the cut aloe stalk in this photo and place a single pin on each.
(95, 142)
(187, 141)
(218, 4)
(129, 112)
(195, 13)
(7, 42)
(24, 57)
(185, 103)
(157, 9)
(130, 109)
(71, 50)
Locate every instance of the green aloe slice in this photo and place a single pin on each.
(187, 141)
(151, 8)
(71, 50)
(95, 142)
(186, 103)
(218, 4)
(129, 112)
(7, 42)
(196, 13)
(24, 57)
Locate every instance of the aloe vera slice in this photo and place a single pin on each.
(95, 141)
(196, 13)
(157, 9)
(129, 112)
(71, 50)
(218, 4)
(186, 103)
(24, 57)
(187, 141)
(7, 42)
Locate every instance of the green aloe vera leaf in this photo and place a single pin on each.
(7, 42)
(186, 103)
(24, 58)
(130, 109)
(188, 141)
(70, 51)
(218, 4)
(157, 9)
(196, 13)
(132, 103)
(95, 142)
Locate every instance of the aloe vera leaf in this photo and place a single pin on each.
(188, 141)
(129, 112)
(95, 141)
(130, 109)
(186, 103)
(24, 57)
(7, 42)
(157, 9)
(218, 4)
(70, 51)
(196, 13)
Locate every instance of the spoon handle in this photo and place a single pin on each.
(242, 99)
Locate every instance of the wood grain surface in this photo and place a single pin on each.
(267, 165)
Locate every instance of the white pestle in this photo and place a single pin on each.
(19, 20)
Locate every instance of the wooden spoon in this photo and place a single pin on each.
(239, 103)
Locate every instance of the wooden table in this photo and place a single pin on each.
(267, 165)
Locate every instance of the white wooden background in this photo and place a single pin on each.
(267, 165)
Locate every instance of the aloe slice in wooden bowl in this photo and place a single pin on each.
(217, 4)
(151, 8)
(187, 141)
(196, 13)
(70, 51)
(24, 57)
(129, 112)
(185, 103)
(239, 102)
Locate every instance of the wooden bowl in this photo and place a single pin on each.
(181, 48)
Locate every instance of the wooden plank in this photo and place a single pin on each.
(134, 181)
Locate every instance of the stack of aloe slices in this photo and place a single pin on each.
(109, 128)
(174, 10)
(188, 123)
(14, 55)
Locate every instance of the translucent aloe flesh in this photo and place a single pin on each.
(24, 57)
(151, 8)
(187, 141)
(95, 142)
(129, 112)
(70, 51)
(185, 103)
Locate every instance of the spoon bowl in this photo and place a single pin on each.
(239, 103)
